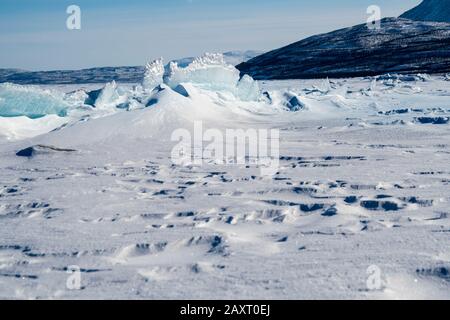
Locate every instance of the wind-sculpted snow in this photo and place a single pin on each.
(362, 185)
(32, 102)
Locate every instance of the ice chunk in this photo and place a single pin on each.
(326, 85)
(211, 72)
(92, 96)
(41, 149)
(248, 89)
(182, 90)
(29, 101)
(154, 73)
(110, 96)
(207, 72)
(397, 78)
(293, 102)
(77, 97)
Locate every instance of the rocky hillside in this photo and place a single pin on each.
(430, 10)
(400, 46)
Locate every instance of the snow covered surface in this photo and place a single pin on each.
(18, 128)
(363, 183)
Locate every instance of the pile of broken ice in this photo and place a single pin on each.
(29, 101)
(207, 73)
(207, 76)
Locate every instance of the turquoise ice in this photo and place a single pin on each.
(29, 101)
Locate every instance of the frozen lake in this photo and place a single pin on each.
(359, 207)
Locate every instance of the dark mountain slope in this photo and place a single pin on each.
(400, 46)
(430, 10)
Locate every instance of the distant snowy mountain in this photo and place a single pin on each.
(430, 10)
(400, 46)
(131, 74)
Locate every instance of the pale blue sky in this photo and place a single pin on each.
(33, 33)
